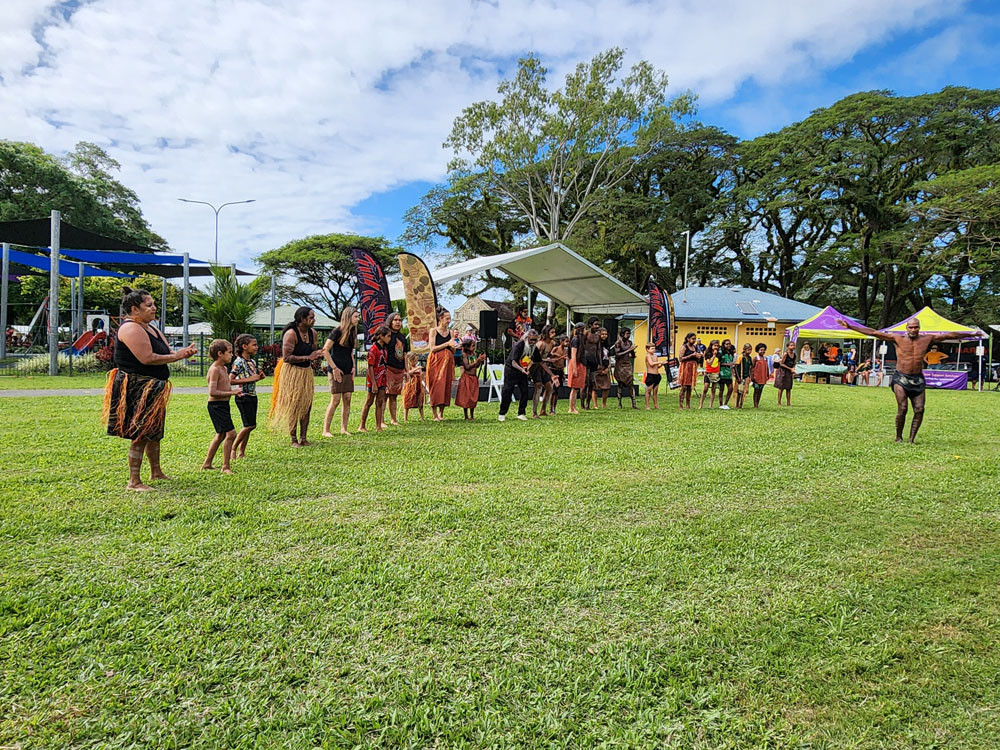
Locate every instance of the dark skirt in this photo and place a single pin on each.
(783, 379)
(135, 406)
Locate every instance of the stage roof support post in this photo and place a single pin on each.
(186, 292)
(163, 306)
(54, 236)
(3, 299)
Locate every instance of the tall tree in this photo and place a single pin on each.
(323, 269)
(553, 155)
(34, 183)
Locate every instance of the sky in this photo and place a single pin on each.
(331, 115)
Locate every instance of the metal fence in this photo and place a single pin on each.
(26, 355)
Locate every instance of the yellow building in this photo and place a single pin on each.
(737, 313)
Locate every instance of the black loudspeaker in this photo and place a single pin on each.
(611, 326)
(487, 324)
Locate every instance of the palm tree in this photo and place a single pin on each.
(228, 305)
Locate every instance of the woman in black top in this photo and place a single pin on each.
(135, 398)
(294, 381)
(339, 354)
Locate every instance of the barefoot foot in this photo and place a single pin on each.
(139, 487)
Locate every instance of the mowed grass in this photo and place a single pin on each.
(780, 578)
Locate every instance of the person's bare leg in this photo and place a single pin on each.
(380, 411)
(240, 446)
(136, 450)
(331, 409)
(227, 451)
(918, 415)
(345, 414)
(901, 406)
(756, 397)
(572, 402)
(364, 412)
(701, 403)
(213, 448)
(303, 427)
(153, 456)
(392, 410)
(420, 411)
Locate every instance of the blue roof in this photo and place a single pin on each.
(736, 304)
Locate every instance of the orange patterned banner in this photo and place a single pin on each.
(421, 299)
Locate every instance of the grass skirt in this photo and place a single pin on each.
(135, 406)
(292, 397)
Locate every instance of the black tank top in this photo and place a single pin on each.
(439, 339)
(126, 362)
(303, 349)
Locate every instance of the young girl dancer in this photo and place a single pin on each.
(415, 388)
(689, 359)
(468, 385)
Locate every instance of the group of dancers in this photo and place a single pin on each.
(538, 365)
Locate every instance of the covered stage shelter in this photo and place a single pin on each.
(553, 271)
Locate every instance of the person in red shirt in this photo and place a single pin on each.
(376, 380)
(759, 374)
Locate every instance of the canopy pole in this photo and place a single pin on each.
(163, 305)
(82, 319)
(72, 313)
(55, 219)
(979, 349)
(187, 288)
(569, 321)
(273, 287)
(3, 299)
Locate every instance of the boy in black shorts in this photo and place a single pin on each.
(219, 392)
(245, 374)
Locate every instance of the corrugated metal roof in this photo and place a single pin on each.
(721, 303)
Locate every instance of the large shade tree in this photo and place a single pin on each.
(318, 271)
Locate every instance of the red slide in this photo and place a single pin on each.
(86, 341)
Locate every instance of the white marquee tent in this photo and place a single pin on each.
(555, 272)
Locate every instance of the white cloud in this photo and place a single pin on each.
(309, 107)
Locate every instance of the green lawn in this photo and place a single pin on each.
(781, 578)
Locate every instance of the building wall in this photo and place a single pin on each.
(754, 333)
(468, 313)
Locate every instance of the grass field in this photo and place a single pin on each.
(781, 578)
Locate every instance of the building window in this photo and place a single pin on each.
(760, 331)
(712, 330)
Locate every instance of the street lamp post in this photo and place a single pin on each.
(206, 203)
(687, 252)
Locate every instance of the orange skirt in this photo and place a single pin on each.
(468, 391)
(413, 393)
(440, 376)
(688, 373)
(577, 375)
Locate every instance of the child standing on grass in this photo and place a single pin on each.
(219, 391)
(467, 395)
(759, 375)
(376, 378)
(415, 389)
(245, 374)
(741, 374)
(653, 376)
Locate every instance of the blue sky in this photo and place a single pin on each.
(334, 121)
